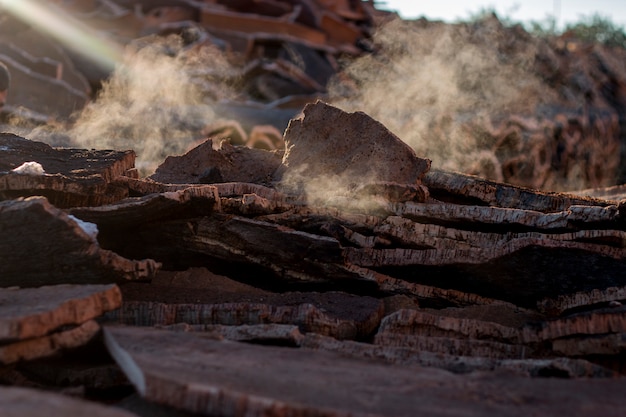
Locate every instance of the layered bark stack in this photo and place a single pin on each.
(382, 285)
(39, 322)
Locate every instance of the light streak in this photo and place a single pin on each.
(67, 30)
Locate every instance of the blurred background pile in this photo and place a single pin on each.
(523, 104)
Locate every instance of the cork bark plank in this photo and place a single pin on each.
(495, 216)
(45, 94)
(402, 356)
(43, 245)
(595, 297)
(458, 187)
(49, 345)
(282, 334)
(413, 322)
(234, 377)
(72, 177)
(341, 315)
(135, 211)
(262, 27)
(577, 346)
(34, 312)
(217, 161)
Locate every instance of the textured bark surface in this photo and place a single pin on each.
(42, 347)
(35, 312)
(413, 322)
(454, 346)
(560, 367)
(72, 177)
(154, 207)
(278, 334)
(67, 250)
(465, 333)
(598, 322)
(323, 383)
(606, 344)
(384, 288)
(340, 315)
(468, 188)
(329, 145)
(594, 298)
(217, 161)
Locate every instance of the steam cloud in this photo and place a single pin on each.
(428, 82)
(332, 190)
(438, 87)
(156, 102)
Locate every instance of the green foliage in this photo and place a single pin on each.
(593, 28)
(542, 28)
(484, 13)
(597, 28)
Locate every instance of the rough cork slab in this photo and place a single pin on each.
(73, 177)
(42, 347)
(276, 334)
(217, 161)
(236, 379)
(404, 355)
(462, 188)
(330, 143)
(42, 245)
(337, 314)
(34, 312)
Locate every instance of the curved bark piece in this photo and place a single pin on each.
(373, 258)
(561, 367)
(605, 321)
(503, 218)
(468, 189)
(45, 346)
(34, 312)
(254, 333)
(413, 322)
(607, 344)
(66, 249)
(289, 253)
(557, 305)
(318, 313)
(424, 292)
(439, 237)
(72, 177)
(453, 346)
(137, 211)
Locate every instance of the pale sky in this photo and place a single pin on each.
(566, 11)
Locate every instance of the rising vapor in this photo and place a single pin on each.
(427, 81)
(156, 101)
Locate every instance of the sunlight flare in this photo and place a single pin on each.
(70, 32)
